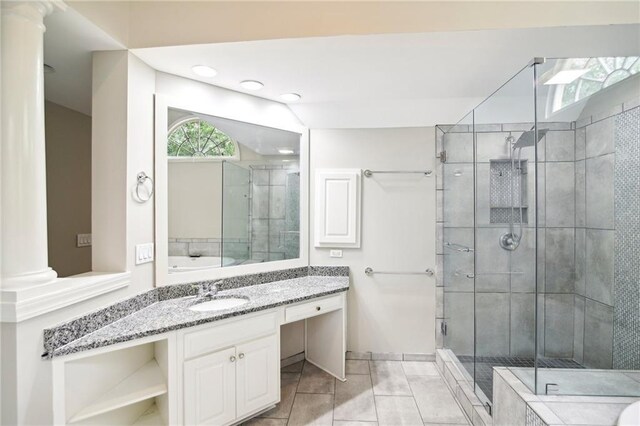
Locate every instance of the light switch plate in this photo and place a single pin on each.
(144, 253)
(335, 253)
(83, 240)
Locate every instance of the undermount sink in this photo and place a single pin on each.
(219, 304)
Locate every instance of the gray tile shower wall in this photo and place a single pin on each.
(504, 281)
(607, 301)
(589, 250)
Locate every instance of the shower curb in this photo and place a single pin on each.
(462, 391)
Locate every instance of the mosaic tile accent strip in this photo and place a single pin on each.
(503, 188)
(626, 320)
(532, 419)
(69, 331)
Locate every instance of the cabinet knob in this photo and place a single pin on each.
(232, 358)
(317, 308)
(241, 356)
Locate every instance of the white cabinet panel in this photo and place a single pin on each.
(210, 389)
(209, 338)
(313, 308)
(337, 208)
(257, 373)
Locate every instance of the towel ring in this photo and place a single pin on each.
(141, 179)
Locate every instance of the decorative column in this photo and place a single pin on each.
(23, 184)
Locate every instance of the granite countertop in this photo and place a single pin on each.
(174, 314)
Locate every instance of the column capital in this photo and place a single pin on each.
(32, 10)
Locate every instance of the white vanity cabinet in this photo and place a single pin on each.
(230, 369)
(218, 373)
(210, 389)
(231, 384)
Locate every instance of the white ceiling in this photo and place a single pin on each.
(265, 141)
(68, 42)
(347, 81)
(389, 80)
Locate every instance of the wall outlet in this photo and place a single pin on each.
(144, 253)
(335, 253)
(83, 240)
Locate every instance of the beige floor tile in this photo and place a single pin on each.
(397, 411)
(418, 368)
(293, 368)
(354, 399)
(357, 366)
(435, 402)
(315, 380)
(388, 378)
(312, 409)
(288, 385)
(265, 422)
(352, 423)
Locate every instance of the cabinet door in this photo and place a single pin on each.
(337, 208)
(210, 389)
(258, 374)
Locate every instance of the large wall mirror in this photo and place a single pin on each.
(232, 195)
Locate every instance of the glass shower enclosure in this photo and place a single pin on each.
(540, 230)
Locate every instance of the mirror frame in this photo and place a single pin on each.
(162, 105)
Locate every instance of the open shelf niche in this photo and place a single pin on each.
(124, 386)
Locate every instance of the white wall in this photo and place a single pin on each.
(387, 313)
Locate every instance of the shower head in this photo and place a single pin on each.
(528, 138)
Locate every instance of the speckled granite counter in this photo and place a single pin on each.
(166, 309)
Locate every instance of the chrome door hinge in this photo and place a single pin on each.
(443, 328)
(442, 155)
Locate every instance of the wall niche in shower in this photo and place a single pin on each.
(507, 191)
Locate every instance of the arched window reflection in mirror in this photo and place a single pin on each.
(196, 138)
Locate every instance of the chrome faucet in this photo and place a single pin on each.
(208, 290)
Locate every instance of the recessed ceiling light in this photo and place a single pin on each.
(204, 71)
(285, 151)
(566, 76)
(290, 97)
(251, 84)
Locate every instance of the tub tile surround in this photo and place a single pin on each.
(518, 405)
(515, 404)
(164, 309)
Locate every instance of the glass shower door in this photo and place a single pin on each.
(235, 214)
(505, 230)
(457, 242)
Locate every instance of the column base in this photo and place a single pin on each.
(29, 279)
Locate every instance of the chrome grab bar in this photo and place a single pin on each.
(459, 247)
(369, 173)
(429, 272)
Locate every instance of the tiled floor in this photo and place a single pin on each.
(380, 393)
